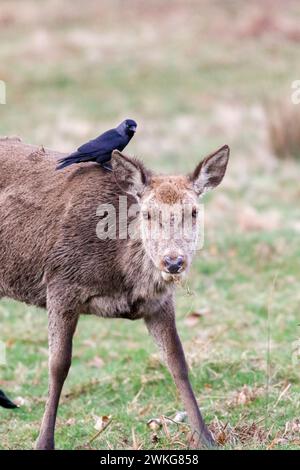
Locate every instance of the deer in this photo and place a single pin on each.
(54, 256)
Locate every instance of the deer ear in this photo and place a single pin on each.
(210, 172)
(130, 173)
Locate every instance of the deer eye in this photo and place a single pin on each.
(194, 212)
(146, 215)
(103, 215)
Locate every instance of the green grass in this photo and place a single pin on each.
(72, 73)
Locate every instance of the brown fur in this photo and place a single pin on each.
(51, 257)
(171, 189)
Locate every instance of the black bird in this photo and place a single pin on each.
(5, 402)
(100, 149)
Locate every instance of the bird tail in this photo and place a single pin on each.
(66, 161)
(6, 402)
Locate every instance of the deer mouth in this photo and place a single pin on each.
(168, 277)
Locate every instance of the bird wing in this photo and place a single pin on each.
(6, 402)
(103, 144)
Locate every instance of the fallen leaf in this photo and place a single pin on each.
(292, 427)
(180, 417)
(20, 401)
(154, 424)
(193, 317)
(96, 362)
(245, 396)
(157, 423)
(101, 422)
(70, 422)
(154, 438)
(207, 386)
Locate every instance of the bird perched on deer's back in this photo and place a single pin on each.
(100, 149)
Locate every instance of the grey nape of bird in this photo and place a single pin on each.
(100, 149)
(5, 402)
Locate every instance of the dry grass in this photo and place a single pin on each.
(253, 434)
(283, 120)
(195, 76)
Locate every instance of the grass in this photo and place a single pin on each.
(72, 73)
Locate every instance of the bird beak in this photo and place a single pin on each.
(132, 128)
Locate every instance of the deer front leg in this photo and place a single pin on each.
(163, 328)
(61, 328)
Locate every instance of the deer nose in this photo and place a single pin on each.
(173, 264)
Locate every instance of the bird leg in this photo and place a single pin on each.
(107, 166)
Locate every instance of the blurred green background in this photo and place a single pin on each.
(195, 75)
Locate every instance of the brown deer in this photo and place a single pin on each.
(51, 254)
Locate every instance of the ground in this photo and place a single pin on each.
(195, 75)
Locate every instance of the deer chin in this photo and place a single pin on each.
(172, 278)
